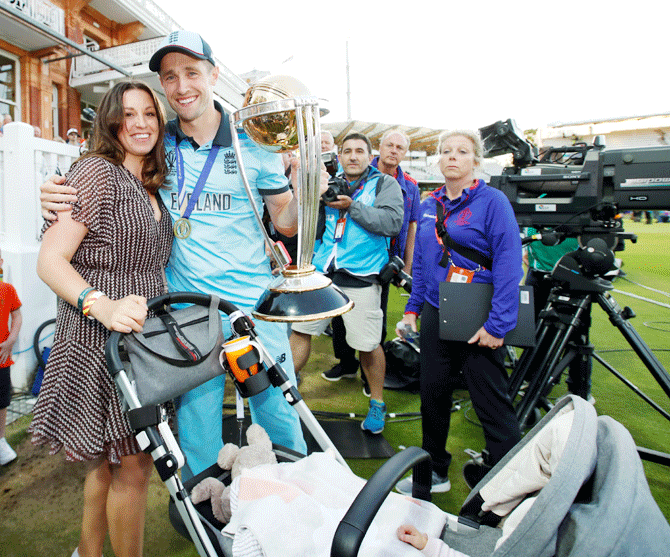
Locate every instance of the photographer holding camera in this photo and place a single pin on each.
(352, 251)
(393, 147)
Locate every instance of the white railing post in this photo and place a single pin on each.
(20, 223)
(19, 194)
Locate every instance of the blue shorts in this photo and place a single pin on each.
(199, 412)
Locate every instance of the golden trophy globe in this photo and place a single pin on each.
(280, 115)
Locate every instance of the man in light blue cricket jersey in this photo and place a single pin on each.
(224, 253)
(219, 250)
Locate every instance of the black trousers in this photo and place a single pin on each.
(487, 381)
(342, 351)
(579, 370)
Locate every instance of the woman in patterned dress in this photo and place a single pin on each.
(104, 259)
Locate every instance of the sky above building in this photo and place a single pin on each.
(451, 64)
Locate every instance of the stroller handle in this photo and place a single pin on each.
(353, 527)
(114, 364)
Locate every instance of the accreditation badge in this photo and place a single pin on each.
(339, 228)
(458, 274)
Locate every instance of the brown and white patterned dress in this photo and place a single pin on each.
(124, 252)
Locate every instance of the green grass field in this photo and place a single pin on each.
(40, 497)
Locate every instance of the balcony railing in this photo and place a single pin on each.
(41, 11)
(148, 10)
(126, 56)
(136, 54)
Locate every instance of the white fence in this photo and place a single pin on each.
(25, 163)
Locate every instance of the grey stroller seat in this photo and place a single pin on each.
(498, 494)
(595, 501)
(616, 503)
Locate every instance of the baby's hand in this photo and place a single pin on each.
(409, 534)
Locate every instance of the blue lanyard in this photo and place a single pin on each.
(181, 192)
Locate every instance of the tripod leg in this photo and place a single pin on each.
(544, 377)
(619, 319)
(525, 363)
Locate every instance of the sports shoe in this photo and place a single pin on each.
(366, 386)
(374, 422)
(338, 371)
(438, 484)
(7, 454)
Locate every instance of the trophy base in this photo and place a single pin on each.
(301, 295)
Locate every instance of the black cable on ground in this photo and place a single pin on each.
(599, 351)
(649, 325)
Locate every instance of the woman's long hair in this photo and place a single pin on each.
(105, 142)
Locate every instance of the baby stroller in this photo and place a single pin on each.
(574, 485)
(150, 425)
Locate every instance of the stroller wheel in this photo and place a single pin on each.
(474, 470)
(534, 417)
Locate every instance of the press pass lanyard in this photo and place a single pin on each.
(185, 210)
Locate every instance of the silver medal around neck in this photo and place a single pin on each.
(182, 228)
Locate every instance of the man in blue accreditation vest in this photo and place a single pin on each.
(393, 147)
(219, 250)
(352, 251)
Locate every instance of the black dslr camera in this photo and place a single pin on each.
(393, 272)
(336, 185)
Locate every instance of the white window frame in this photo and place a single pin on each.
(17, 76)
(55, 118)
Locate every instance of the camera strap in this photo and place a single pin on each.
(449, 243)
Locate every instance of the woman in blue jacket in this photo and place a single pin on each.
(480, 218)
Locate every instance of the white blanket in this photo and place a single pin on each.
(293, 509)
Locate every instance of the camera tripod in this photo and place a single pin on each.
(542, 365)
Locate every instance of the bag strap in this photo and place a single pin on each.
(449, 243)
(184, 346)
(181, 342)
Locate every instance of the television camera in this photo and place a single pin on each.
(577, 189)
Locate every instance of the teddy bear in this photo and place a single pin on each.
(234, 458)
